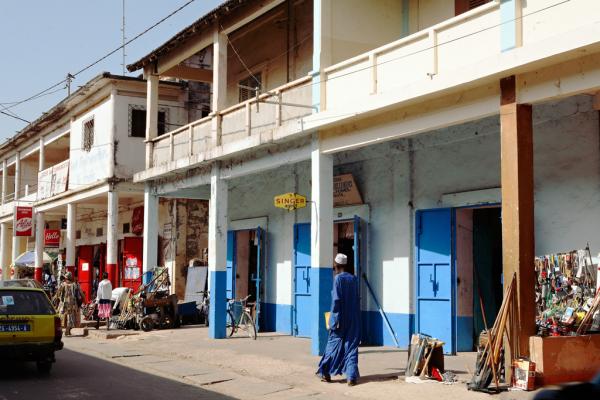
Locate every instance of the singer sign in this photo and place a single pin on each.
(51, 238)
(23, 221)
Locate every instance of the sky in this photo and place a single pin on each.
(43, 40)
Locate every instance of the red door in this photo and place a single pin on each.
(132, 262)
(85, 258)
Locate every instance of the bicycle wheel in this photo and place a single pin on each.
(231, 326)
(249, 326)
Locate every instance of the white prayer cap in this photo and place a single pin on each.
(341, 259)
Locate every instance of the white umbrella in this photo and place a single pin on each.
(27, 259)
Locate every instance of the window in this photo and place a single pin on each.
(126, 227)
(77, 234)
(99, 232)
(247, 85)
(24, 302)
(137, 121)
(88, 135)
(462, 6)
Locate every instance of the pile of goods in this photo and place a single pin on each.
(490, 358)
(566, 294)
(425, 359)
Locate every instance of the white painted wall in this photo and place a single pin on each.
(130, 155)
(89, 167)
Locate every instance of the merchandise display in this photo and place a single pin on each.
(566, 294)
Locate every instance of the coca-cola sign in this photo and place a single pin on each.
(51, 237)
(23, 222)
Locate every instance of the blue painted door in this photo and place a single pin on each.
(260, 274)
(435, 276)
(231, 250)
(301, 285)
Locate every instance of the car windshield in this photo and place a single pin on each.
(24, 302)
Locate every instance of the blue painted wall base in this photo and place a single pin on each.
(279, 318)
(375, 331)
(321, 285)
(218, 305)
(464, 333)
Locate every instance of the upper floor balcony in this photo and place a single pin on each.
(404, 53)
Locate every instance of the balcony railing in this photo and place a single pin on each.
(256, 117)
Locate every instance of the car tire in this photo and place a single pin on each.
(147, 324)
(44, 366)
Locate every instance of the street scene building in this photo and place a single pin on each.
(447, 148)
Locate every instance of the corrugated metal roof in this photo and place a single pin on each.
(193, 29)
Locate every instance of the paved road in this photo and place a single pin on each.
(78, 376)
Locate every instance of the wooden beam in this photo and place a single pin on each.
(190, 73)
(518, 244)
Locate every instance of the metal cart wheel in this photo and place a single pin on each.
(146, 323)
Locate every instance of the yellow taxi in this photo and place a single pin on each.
(30, 328)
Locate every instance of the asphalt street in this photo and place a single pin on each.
(78, 376)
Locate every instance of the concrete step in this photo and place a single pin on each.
(103, 334)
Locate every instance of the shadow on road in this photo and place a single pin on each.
(78, 376)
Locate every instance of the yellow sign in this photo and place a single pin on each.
(290, 201)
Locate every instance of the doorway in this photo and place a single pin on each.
(458, 261)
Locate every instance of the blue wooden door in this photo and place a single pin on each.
(260, 274)
(231, 250)
(301, 285)
(435, 275)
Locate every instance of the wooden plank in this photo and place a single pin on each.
(190, 73)
(518, 244)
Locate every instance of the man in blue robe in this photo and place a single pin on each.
(341, 352)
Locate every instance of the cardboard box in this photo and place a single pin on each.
(523, 374)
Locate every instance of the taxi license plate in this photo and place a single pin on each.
(15, 328)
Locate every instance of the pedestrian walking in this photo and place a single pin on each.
(70, 298)
(103, 296)
(341, 352)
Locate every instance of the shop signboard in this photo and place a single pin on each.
(52, 238)
(345, 192)
(137, 221)
(289, 201)
(44, 184)
(60, 176)
(23, 221)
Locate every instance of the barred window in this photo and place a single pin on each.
(247, 86)
(88, 135)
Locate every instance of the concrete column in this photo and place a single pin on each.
(518, 243)
(16, 246)
(40, 225)
(5, 251)
(217, 253)
(42, 158)
(4, 181)
(219, 85)
(321, 272)
(150, 256)
(70, 242)
(112, 133)
(112, 237)
(151, 116)
(17, 174)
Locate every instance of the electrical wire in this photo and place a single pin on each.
(39, 94)
(12, 115)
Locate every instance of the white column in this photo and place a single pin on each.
(5, 251)
(70, 242)
(219, 85)
(112, 236)
(16, 246)
(40, 224)
(42, 157)
(151, 116)
(17, 174)
(321, 273)
(217, 252)
(150, 229)
(112, 133)
(4, 180)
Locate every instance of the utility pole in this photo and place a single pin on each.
(69, 79)
(123, 37)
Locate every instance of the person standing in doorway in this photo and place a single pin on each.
(341, 352)
(103, 296)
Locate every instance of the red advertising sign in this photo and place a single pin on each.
(51, 237)
(23, 222)
(137, 221)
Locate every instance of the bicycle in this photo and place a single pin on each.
(239, 317)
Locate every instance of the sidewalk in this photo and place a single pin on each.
(272, 367)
